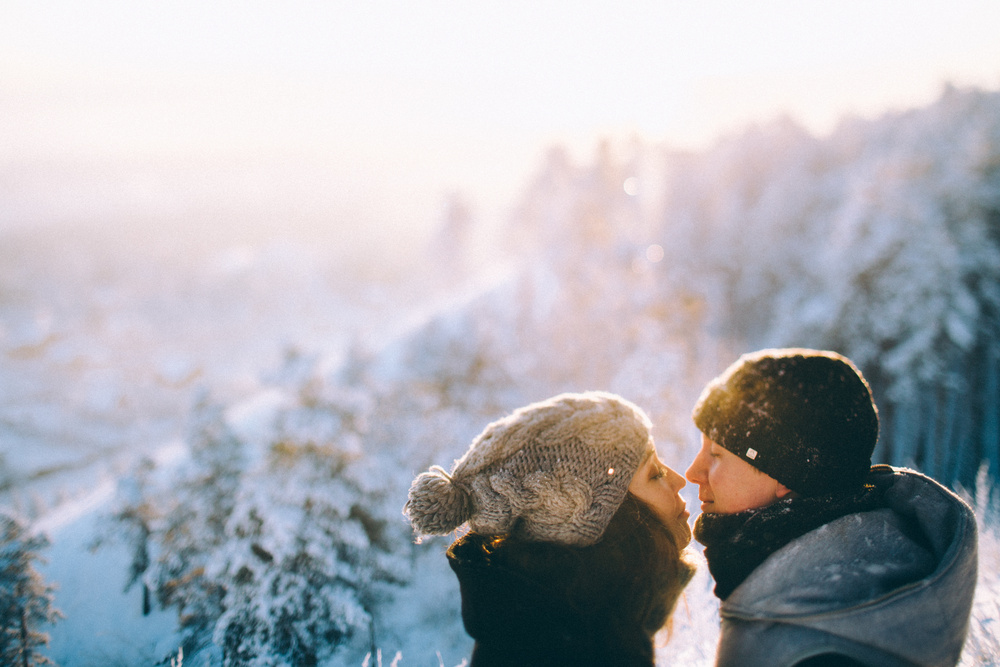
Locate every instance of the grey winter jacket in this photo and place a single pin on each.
(891, 587)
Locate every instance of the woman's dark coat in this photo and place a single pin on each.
(525, 620)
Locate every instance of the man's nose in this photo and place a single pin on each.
(696, 472)
(689, 475)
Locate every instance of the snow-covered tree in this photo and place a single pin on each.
(880, 241)
(271, 541)
(26, 600)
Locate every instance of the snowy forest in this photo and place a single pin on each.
(225, 486)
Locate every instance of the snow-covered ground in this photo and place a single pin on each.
(104, 343)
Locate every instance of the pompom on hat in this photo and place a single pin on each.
(804, 417)
(553, 471)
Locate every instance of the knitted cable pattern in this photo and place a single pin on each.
(556, 470)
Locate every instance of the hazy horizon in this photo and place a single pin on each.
(335, 116)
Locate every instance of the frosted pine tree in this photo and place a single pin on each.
(301, 558)
(25, 599)
(174, 521)
(879, 241)
(917, 237)
(272, 542)
(912, 263)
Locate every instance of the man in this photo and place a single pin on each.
(820, 558)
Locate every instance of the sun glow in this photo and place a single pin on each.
(439, 96)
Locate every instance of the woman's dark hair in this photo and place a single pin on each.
(632, 576)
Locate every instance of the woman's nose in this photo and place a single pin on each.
(676, 481)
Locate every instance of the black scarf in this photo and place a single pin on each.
(735, 544)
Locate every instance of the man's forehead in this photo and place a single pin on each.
(716, 448)
(711, 443)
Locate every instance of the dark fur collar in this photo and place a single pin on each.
(735, 544)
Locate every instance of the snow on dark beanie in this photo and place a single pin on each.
(804, 417)
(554, 471)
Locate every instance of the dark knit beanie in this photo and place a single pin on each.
(804, 417)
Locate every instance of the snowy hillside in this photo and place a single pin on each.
(257, 439)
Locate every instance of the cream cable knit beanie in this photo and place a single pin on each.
(553, 471)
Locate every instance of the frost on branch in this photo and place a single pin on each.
(25, 599)
(272, 551)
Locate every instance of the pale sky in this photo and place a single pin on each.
(401, 102)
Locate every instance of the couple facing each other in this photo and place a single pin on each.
(576, 554)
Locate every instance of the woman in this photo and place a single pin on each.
(576, 531)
